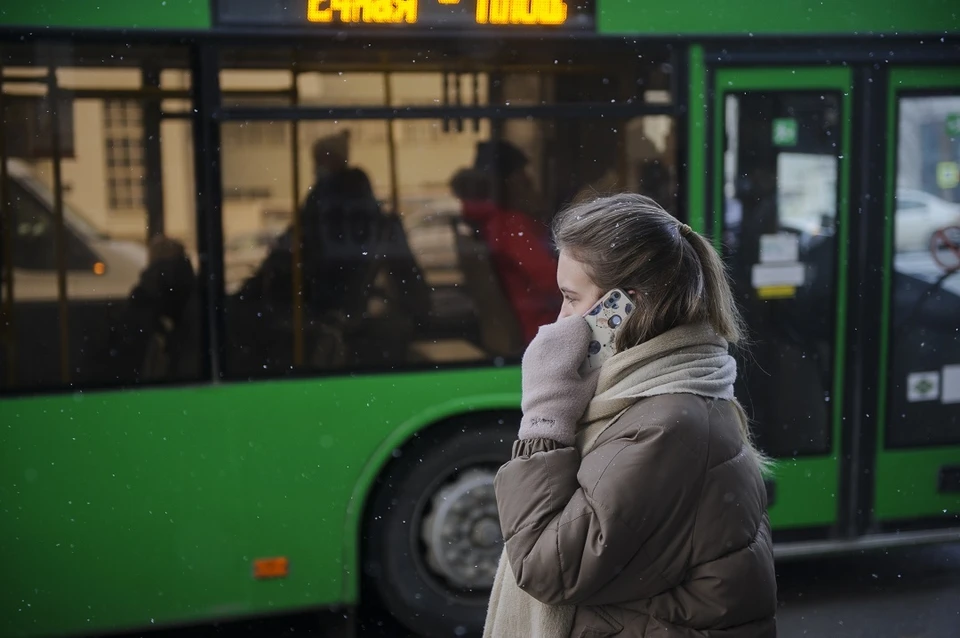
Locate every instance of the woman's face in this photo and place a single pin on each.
(579, 291)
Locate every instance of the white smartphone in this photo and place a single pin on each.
(605, 318)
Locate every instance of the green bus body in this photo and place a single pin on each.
(162, 499)
(614, 17)
(122, 509)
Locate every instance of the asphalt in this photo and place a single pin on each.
(902, 593)
(907, 593)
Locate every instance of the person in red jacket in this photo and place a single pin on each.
(492, 195)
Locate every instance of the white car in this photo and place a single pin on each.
(98, 267)
(919, 216)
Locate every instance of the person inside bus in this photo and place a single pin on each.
(634, 502)
(161, 329)
(495, 194)
(339, 223)
(340, 220)
(340, 210)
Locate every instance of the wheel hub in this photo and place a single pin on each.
(462, 531)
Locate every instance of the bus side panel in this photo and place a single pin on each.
(142, 508)
(755, 17)
(105, 14)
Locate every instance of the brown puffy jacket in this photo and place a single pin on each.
(660, 530)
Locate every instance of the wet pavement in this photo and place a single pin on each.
(903, 593)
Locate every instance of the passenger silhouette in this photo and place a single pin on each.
(492, 195)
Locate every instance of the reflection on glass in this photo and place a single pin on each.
(925, 343)
(781, 166)
(807, 193)
(128, 257)
(419, 242)
(376, 244)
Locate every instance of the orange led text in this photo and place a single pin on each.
(521, 12)
(369, 11)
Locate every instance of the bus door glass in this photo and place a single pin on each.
(918, 450)
(780, 198)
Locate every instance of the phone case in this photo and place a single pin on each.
(605, 318)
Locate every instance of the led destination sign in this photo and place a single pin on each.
(430, 14)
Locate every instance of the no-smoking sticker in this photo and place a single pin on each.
(945, 248)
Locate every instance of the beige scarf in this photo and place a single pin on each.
(690, 359)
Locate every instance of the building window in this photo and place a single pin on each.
(123, 128)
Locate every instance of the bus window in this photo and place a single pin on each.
(358, 242)
(924, 343)
(392, 274)
(406, 242)
(130, 310)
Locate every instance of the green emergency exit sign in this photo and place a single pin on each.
(953, 124)
(785, 131)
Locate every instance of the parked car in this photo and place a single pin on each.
(919, 215)
(98, 267)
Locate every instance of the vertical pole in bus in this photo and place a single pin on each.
(152, 154)
(446, 99)
(8, 331)
(476, 100)
(459, 97)
(206, 101)
(391, 147)
(495, 97)
(60, 243)
(623, 155)
(296, 250)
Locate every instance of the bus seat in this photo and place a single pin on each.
(406, 286)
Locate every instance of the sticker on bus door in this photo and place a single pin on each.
(950, 393)
(923, 386)
(948, 175)
(777, 280)
(781, 248)
(779, 272)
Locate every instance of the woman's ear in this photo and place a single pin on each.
(632, 293)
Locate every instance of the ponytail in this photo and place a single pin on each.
(727, 321)
(721, 310)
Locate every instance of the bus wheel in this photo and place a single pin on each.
(433, 537)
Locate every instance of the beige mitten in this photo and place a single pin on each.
(555, 396)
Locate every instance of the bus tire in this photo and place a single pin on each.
(432, 535)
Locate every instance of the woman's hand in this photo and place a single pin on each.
(555, 396)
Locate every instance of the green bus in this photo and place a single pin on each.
(212, 406)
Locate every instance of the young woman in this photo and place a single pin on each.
(634, 503)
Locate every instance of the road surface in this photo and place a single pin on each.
(903, 593)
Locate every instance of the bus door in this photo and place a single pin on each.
(780, 194)
(917, 478)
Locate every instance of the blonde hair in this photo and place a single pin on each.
(629, 241)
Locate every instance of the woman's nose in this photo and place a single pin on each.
(564, 312)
